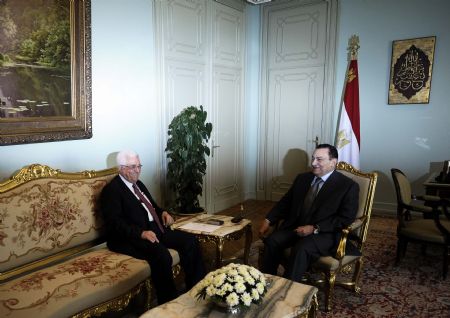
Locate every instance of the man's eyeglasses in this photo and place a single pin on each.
(132, 167)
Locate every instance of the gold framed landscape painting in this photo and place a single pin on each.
(411, 70)
(45, 71)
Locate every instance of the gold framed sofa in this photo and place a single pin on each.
(53, 258)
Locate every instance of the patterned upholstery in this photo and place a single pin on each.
(64, 289)
(53, 259)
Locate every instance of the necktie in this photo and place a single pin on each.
(311, 195)
(148, 205)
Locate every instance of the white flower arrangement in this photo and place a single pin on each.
(233, 284)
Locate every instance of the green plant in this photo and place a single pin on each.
(186, 149)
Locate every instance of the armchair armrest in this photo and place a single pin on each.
(433, 198)
(436, 205)
(340, 252)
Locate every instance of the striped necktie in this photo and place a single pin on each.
(149, 206)
(311, 195)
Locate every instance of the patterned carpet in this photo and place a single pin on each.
(413, 289)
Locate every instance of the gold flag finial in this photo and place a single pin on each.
(353, 47)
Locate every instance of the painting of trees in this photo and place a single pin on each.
(35, 32)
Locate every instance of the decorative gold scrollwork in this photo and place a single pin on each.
(115, 304)
(347, 269)
(35, 171)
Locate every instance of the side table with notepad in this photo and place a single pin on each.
(206, 229)
(284, 298)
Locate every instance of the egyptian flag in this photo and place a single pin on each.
(348, 141)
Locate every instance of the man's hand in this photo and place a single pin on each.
(264, 228)
(149, 235)
(167, 219)
(304, 230)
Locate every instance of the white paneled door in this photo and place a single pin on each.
(227, 96)
(201, 56)
(297, 110)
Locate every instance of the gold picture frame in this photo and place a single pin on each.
(48, 117)
(411, 70)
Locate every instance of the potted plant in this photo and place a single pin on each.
(186, 149)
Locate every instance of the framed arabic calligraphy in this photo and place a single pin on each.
(411, 69)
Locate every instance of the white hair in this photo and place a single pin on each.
(124, 155)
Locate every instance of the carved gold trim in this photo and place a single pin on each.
(38, 171)
(372, 176)
(121, 302)
(52, 259)
(219, 241)
(176, 270)
(118, 303)
(347, 269)
(353, 47)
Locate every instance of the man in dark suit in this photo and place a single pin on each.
(314, 210)
(138, 227)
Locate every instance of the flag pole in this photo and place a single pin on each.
(352, 54)
(347, 139)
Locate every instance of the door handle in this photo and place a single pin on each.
(214, 147)
(316, 141)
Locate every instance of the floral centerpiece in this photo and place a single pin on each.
(236, 285)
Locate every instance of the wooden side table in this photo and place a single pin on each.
(284, 298)
(228, 231)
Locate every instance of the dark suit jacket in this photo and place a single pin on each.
(334, 208)
(125, 217)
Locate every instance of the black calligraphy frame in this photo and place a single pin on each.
(78, 125)
(411, 70)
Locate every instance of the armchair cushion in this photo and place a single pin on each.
(327, 263)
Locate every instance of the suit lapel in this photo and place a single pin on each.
(128, 194)
(303, 189)
(324, 192)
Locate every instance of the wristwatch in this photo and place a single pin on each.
(316, 229)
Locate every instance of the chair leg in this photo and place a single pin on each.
(356, 274)
(446, 257)
(329, 290)
(148, 287)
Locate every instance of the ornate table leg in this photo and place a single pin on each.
(248, 242)
(219, 252)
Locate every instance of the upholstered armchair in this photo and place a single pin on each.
(355, 234)
(351, 265)
(421, 219)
